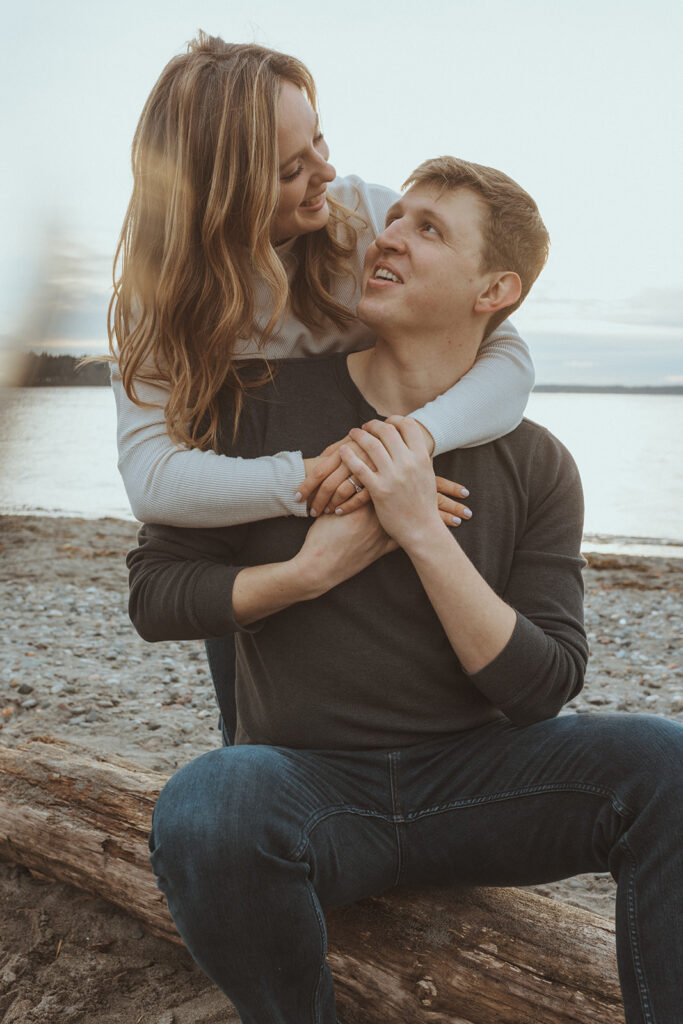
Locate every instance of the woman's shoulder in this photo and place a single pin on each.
(369, 201)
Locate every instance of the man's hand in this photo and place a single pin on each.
(401, 484)
(335, 548)
(476, 621)
(328, 486)
(339, 547)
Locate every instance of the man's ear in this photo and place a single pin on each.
(503, 290)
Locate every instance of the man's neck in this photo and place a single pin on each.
(396, 379)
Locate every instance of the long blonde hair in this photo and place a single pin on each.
(196, 234)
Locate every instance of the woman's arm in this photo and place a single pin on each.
(188, 487)
(486, 403)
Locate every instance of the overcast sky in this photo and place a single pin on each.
(580, 102)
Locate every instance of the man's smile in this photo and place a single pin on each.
(384, 272)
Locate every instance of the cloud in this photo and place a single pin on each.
(656, 307)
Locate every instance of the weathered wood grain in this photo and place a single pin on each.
(470, 956)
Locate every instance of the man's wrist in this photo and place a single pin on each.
(263, 590)
(426, 538)
(303, 579)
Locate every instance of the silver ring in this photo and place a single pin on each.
(357, 487)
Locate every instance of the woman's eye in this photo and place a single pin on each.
(318, 138)
(429, 227)
(293, 175)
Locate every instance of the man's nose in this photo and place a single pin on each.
(393, 237)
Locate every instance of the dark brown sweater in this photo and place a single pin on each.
(368, 664)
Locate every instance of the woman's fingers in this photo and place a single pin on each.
(347, 491)
(355, 502)
(321, 469)
(453, 511)
(450, 488)
(327, 488)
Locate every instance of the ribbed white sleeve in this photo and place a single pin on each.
(188, 487)
(489, 401)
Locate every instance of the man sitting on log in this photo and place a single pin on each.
(398, 681)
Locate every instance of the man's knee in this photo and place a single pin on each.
(214, 812)
(646, 749)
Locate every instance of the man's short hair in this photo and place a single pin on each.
(515, 237)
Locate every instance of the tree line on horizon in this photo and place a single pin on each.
(47, 370)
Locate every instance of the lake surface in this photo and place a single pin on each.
(58, 457)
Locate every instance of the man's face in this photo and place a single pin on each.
(424, 271)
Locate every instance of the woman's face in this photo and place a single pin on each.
(304, 170)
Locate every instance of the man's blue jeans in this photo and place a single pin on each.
(251, 843)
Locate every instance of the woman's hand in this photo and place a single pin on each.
(327, 482)
(329, 486)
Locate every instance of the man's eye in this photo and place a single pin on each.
(295, 174)
(430, 228)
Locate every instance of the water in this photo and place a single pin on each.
(58, 457)
(58, 453)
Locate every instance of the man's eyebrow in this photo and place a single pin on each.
(420, 213)
(393, 211)
(295, 156)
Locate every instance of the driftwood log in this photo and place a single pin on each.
(466, 956)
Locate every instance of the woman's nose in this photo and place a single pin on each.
(325, 171)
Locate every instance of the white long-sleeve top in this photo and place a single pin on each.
(180, 486)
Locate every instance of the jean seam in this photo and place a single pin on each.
(328, 812)
(511, 794)
(315, 1004)
(636, 955)
(397, 814)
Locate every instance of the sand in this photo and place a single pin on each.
(72, 666)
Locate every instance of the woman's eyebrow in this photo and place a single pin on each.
(295, 156)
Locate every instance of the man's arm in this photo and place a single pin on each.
(185, 585)
(525, 651)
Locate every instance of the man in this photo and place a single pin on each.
(398, 682)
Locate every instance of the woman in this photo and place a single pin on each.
(239, 242)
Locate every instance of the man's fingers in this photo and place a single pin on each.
(373, 445)
(412, 433)
(387, 434)
(361, 473)
(335, 446)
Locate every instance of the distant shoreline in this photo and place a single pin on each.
(45, 370)
(610, 389)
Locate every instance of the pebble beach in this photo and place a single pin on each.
(72, 666)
